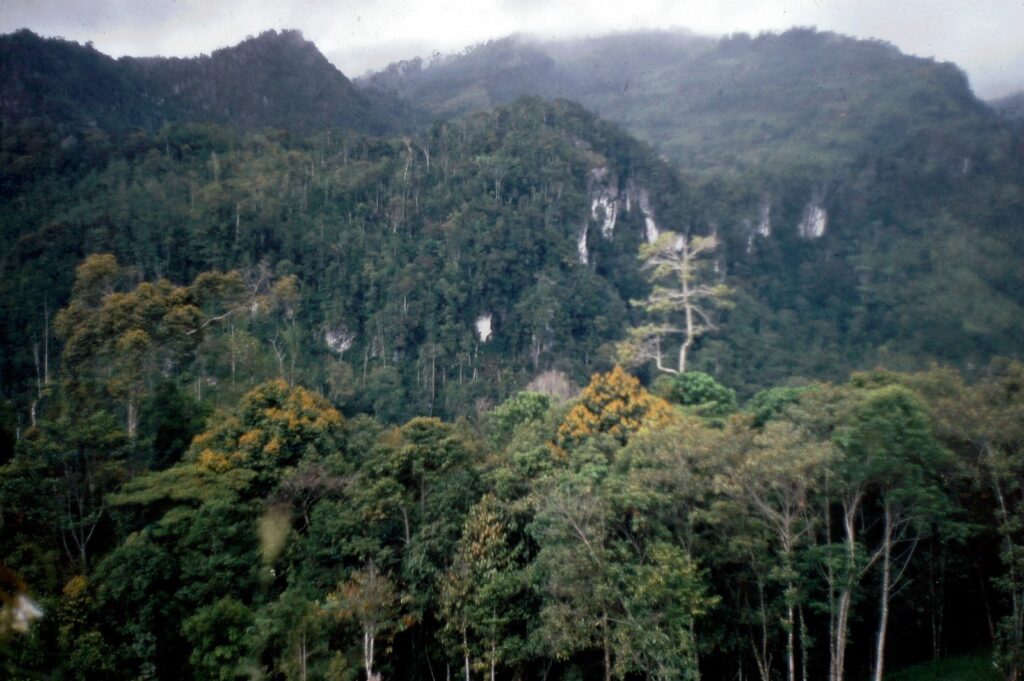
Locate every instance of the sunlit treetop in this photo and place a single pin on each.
(275, 425)
(615, 404)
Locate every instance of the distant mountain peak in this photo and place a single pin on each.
(277, 79)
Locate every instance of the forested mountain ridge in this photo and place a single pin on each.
(71, 85)
(902, 255)
(274, 80)
(227, 355)
(802, 98)
(402, 247)
(1010, 106)
(828, 164)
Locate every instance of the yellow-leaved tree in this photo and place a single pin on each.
(613, 403)
(275, 426)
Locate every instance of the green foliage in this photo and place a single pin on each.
(181, 508)
(962, 668)
(216, 634)
(771, 402)
(695, 389)
(522, 409)
(169, 419)
(482, 593)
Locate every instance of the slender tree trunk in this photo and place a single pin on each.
(787, 560)
(465, 652)
(840, 644)
(805, 640)
(884, 596)
(368, 642)
(833, 609)
(39, 371)
(764, 665)
(685, 347)
(850, 507)
(937, 591)
(696, 651)
(133, 419)
(790, 640)
(46, 343)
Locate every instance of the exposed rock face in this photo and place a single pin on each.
(604, 200)
(651, 230)
(340, 339)
(815, 219)
(763, 228)
(607, 201)
(582, 251)
(484, 330)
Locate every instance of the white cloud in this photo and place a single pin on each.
(983, 37)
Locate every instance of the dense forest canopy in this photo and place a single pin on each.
(437, 374)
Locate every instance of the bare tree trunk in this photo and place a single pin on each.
(850, 508)
(805, 639)
(885, 595)
(761, 656)
(46, 343)
(133, 419)
(368, 641)
(685, 348)
(936, 590)
(842, 620)
(39, 371)
(790, 640)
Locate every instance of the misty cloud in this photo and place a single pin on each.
(983, 38)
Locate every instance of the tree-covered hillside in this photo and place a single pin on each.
(860, 194)
(262, 367)
(1010, 106)
(522, 225)
(435, 270)
(800, 99)
(275, 80)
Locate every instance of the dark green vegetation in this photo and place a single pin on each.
(615, 536)
(966, 668)
(802, 99)
(274, 80)
(908, 254)
(260, 372)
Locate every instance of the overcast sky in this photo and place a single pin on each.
(985, 37)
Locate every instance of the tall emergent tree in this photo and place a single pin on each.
(371, 599)
(681, 300)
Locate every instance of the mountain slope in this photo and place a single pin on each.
(74, 84)
(408, 247)
(278, 80)
(869, 205)
(1010, 107)
(900, 248)
(801, 98)
(275, 80)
